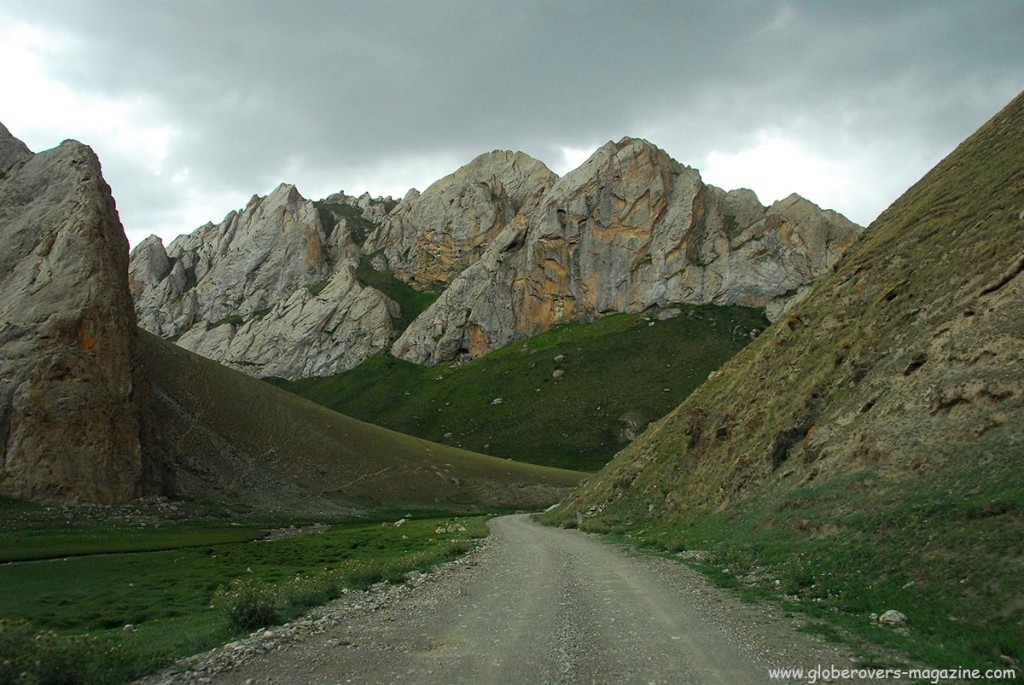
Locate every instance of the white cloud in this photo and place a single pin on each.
(572, 158)
(33, 104)
(127, 133)
(776, 166)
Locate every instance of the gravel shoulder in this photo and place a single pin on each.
(532, 605)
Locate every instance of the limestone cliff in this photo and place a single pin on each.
(271, 290)
(432, 237)
(513, 249)
(70, 388)
(629, 229)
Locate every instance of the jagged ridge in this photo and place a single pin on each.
(515, 250)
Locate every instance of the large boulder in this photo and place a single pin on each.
(70, 390)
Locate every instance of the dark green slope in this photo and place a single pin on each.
(617, 374)
(214, 433)
(866, 452)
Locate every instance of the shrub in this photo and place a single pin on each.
(48, 658)
(363, 574)
(311, 590)
(248, 604)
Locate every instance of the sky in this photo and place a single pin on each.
(193, 106)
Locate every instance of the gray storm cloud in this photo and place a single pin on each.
(345, 93)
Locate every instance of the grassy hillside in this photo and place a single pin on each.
(217, 434)
(412, 302)
(866, 452)
(614, 376)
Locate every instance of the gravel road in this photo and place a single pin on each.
(534, 605)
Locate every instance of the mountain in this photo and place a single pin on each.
(510, 248)
(70, 386)
(432, 237)
(629, 229)
(270, 290)
(93, 410)
(877, 429)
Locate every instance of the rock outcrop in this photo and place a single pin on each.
(433, 236)
(629, 229)
(271, 290)
(12, 150)
(70, 386)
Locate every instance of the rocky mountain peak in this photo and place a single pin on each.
(512, 249)
(270, 290)
(70, 387)
(12, 150)
(629, 229)
(432, 237)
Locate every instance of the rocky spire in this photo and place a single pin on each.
(69, 381)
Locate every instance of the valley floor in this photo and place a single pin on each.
(540, 605)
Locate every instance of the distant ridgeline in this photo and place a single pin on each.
(497, 252)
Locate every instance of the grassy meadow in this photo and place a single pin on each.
(183, 586)
(617, 374)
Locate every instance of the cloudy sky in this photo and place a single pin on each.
(195, 105)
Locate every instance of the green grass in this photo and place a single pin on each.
(229, 320)
(67, 612)
(619, 372)
(411, 301)
(331, 214)
(49, 541)
(945, 549)
(255, 444)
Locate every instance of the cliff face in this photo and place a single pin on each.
(70, 387)
(270, 291)
(432, 237)
(629, 229)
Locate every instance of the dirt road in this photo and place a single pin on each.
(542, 605)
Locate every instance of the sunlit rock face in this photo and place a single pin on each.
(70, 386)
(433, 236)
(629, 229)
